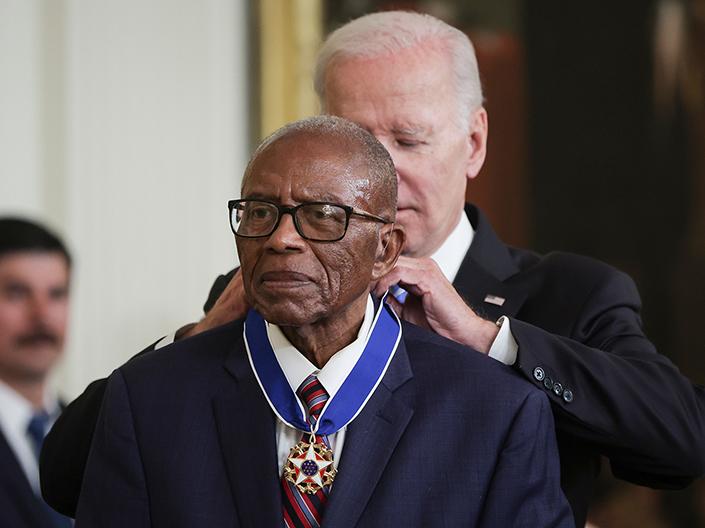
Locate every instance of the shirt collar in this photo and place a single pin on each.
(296, 367)
(450, 255)
(16, 411)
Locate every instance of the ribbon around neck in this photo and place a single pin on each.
(382, 342)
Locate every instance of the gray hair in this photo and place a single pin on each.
(381, 171)
(392, 31)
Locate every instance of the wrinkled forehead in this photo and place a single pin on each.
(391, 71)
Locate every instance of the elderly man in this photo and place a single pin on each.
(34, 288)
(320, 407)
(568, 324)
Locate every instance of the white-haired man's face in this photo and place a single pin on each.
(409, 102)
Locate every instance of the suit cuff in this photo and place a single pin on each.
(504, 347)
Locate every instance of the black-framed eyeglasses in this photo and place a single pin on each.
(316, 221)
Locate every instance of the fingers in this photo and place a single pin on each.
(417, 276)
(234, 288)
(231, 305)
(433, 302)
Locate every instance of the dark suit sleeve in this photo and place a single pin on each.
(65, 449)
(114, 491)
(525, 490)
(615, 391)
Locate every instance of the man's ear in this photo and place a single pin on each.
(477, 142)
(389, 247)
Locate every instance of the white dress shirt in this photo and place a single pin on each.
(297, 368)
(15, 414)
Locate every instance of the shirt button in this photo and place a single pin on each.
(539, 374)
(567, 395)
(557, 388)
(548, 383)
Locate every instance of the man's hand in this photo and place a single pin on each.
(433, 303)
(230, 305)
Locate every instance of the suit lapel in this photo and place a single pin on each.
(484, 273)
(14, 483)
(370, 441)
(246, 430)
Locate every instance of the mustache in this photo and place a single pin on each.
(39, 336)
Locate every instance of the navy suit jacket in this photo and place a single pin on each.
(19, 505)
(578, 326)
(185, 438)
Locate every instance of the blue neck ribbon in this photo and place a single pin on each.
(346, 404)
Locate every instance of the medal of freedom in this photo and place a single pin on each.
(309, 466)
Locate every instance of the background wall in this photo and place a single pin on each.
(124, 125)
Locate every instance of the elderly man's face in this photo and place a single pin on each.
(293, 281)
(408, 102)
(33, 313)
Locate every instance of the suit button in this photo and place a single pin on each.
(567, 395)
(557, 389)
(539, 374)
(548, 383)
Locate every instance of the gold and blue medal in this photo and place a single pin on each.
(309, 465)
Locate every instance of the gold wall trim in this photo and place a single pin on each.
(289, 38)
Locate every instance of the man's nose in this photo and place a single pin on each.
(285, 236)
(40, 309)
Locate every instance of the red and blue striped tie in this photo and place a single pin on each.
(303, 510)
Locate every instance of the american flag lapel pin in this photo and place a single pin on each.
(495, 299)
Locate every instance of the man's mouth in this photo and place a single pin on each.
(38, 338)
(284, 279)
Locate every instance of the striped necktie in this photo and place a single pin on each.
(303, 510)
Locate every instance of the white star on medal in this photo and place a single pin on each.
(321, 465)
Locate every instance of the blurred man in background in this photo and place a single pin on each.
(34, 296)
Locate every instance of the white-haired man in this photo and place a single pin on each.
(569, 324)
